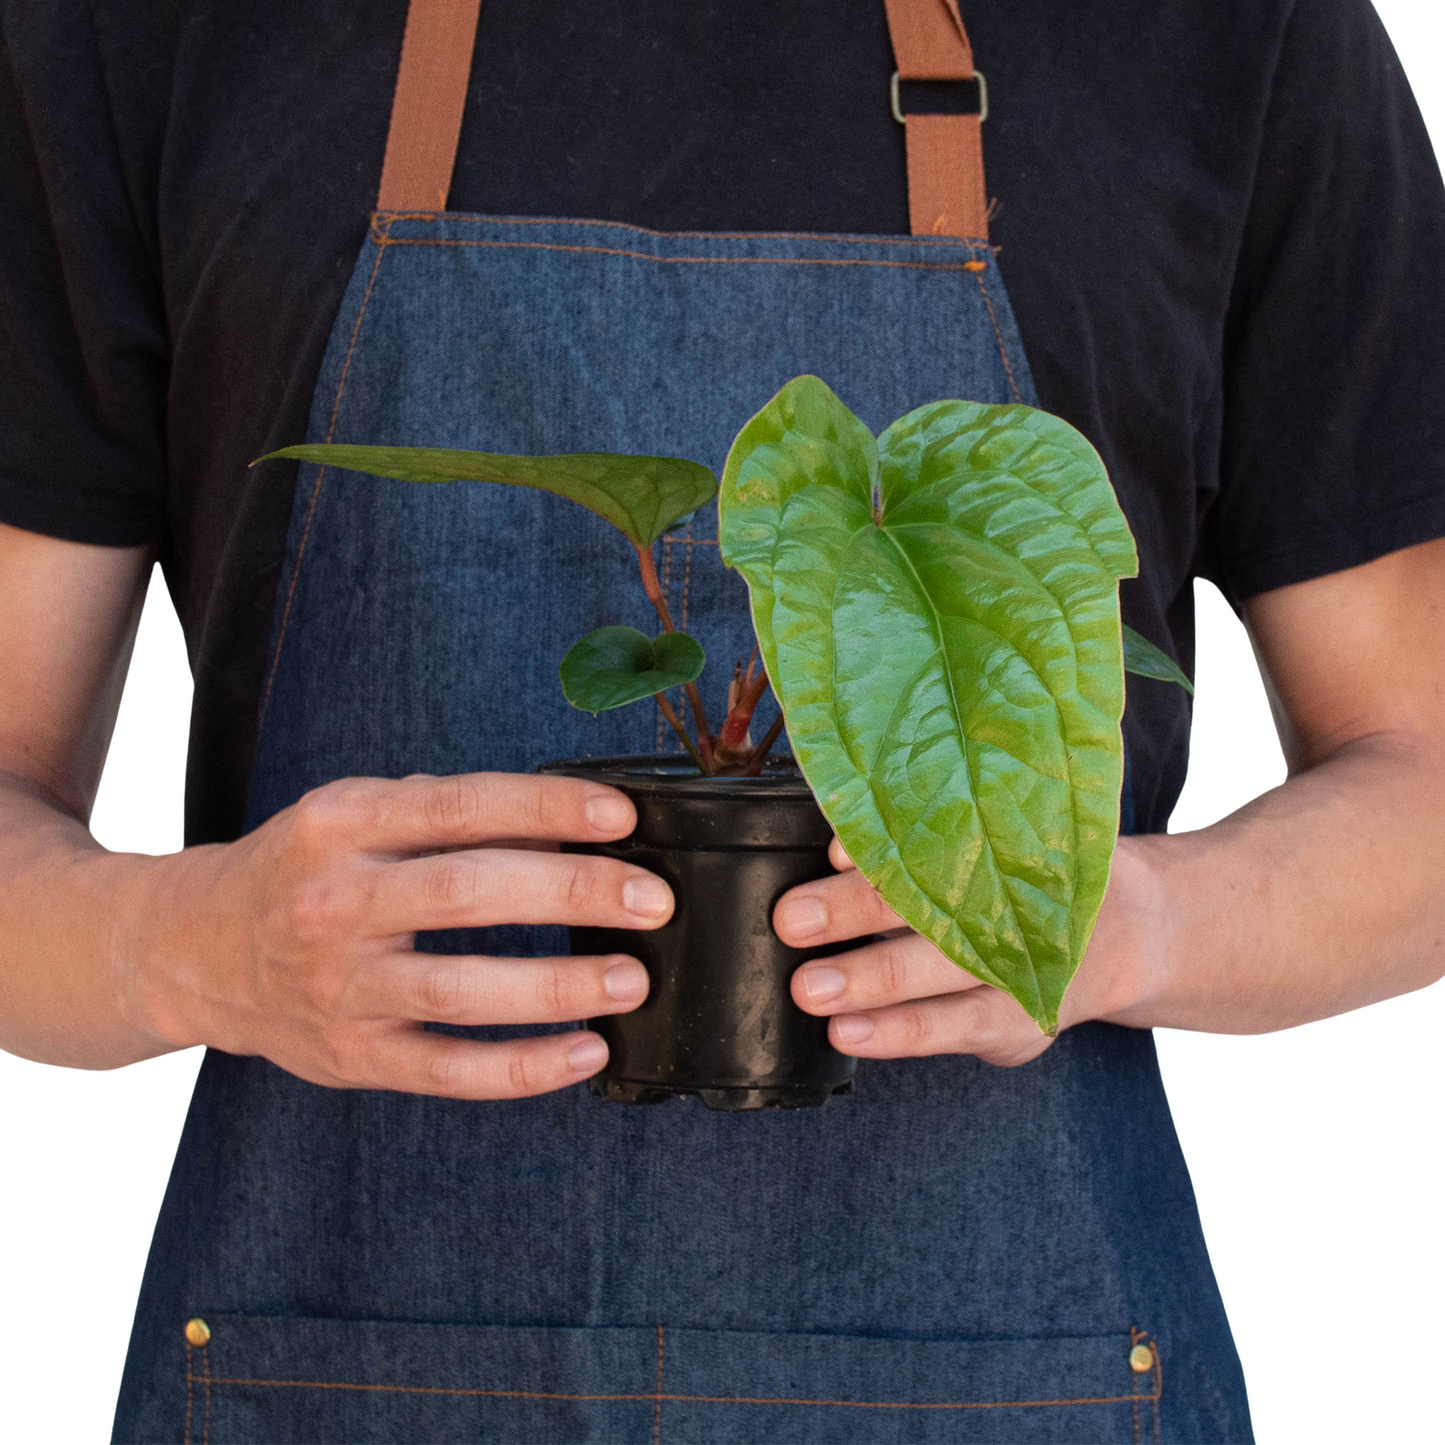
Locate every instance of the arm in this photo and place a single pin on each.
(295, 942)
(68, 618)
(1323, 895)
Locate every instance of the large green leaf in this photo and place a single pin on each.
(938, 613)
(617, 665)
(640, 496)
(1143, 658)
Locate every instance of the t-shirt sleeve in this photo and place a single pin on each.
(83, 343)
(1333, 445)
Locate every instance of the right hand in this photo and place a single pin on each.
(296, 942)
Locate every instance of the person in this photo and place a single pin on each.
(395, 1214)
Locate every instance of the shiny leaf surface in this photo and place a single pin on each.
(641, 496)
(617, 665)
(938, 613)
(1143, 658)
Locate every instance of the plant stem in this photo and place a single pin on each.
(653, 588)
(735, 726)
(681, 731)
(760, 753)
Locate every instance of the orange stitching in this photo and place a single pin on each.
(682, 1399)
(1141, 1337)
(998, 336)
(975, 266)
(206, 1361)
(1134, 1340)
(686, 576)
(666, 592)
(688, 260)
(474, 218)
(316, 491)
(657, 1412)
(1158, 1387)
(188, 1392)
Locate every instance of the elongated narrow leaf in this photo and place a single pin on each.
(938, 613)
(617, 665)
(1142, 657)
(641, 496)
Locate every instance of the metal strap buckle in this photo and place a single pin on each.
(897, 109)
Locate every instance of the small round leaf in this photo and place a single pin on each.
(617, 665)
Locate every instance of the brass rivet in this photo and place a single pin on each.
(198, 1332)
(1141, 1358)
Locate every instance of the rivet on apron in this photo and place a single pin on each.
(198, 1332)
(1141, 1358)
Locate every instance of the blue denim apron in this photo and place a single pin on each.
(953, 1253)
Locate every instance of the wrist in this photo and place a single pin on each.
(153, 941)
(1133, 955)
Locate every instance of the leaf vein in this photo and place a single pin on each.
(990, 849)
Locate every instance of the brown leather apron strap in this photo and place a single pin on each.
(946, 195)
(426, 111)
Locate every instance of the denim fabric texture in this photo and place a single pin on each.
(954, 1252)
(680, 1385)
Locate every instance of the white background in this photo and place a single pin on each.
(1315, 1153)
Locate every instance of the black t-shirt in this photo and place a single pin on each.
(1221, 225)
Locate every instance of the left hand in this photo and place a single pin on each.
(900, 997)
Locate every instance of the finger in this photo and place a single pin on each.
(838, 858)
(831, 910)
(421, 813)
(982, 1022)
(483, 886)
(415, 1062)
(438, 988)
(893, 970)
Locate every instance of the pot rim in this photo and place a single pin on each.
(676, 775)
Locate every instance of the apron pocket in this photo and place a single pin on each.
(275, 1380)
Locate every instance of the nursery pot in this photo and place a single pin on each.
(718, 1020)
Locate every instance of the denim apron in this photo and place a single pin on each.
(953, 1253)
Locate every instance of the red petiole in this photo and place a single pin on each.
(730, 752)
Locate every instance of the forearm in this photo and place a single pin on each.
(67, 928)
(1323, 895)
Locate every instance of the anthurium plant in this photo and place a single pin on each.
(937, 612)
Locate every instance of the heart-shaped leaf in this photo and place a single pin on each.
(641, 496)
(618, 665)
(1143, 658)
(938, 613)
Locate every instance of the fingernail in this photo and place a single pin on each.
(852, 1028)
(646, 895)
(822, 982)
(804, 916)
(609, 812)
(587, 1055)
(625, 981)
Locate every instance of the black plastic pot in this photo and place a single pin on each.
(719, 1021)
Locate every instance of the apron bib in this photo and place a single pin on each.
(955, 1252)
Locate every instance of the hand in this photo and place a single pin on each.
(900, 997)
(296, 942)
